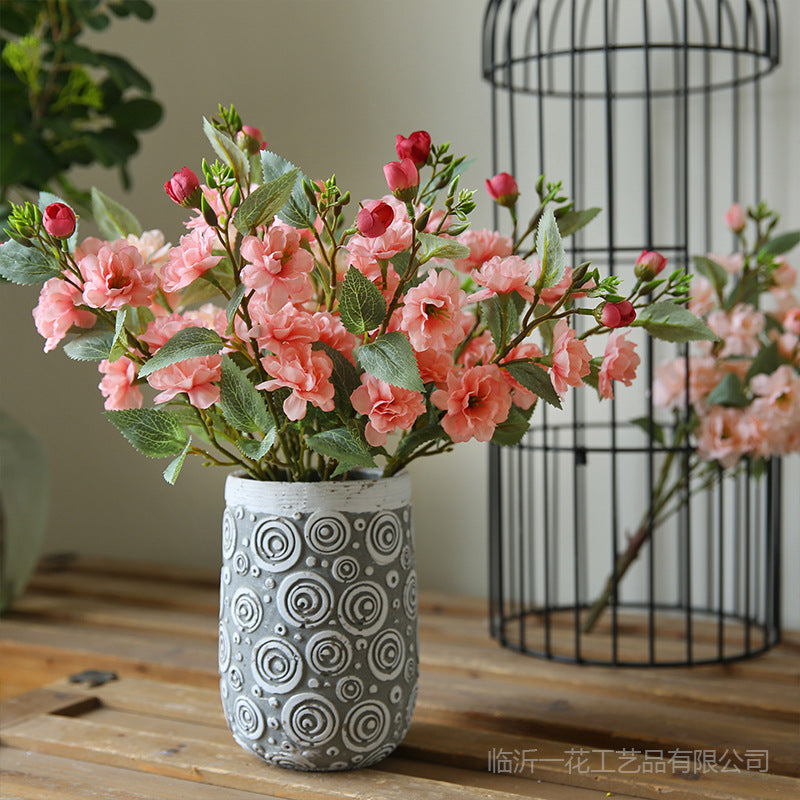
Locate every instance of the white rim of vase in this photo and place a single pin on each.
(287, 498)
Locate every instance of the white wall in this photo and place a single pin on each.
(330, 84)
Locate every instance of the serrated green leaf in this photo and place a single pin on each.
(573, 221)
(259, 207)
(26, 266)
(345, 377)
(152, 431)
(176, 465)
(535, 379)
(235, 302)
(256, 449)
(118, 343)
(242, 404)
(361, 304)
(550, 249)
(728, 392)
(502, 317)
(340, 444)
(298, 211)
(440, 247)
(90, 347)
(778, 246)
(766, 362)
(513, 429)
(390, 358)
(713, 272)
(417, 438)
(228, 152)
(651, 428)
(185, 344)
(113, 219)
(673, 323)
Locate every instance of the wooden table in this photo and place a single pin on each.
(489, 723)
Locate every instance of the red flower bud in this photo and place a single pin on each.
(403, 178)
(184, 188)
(59, 220)
(617, 315)
(417, 147)
(649, 264)
(374, 219)
(736, 218)
(251, 139)
(503, 189)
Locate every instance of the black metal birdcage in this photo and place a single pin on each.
(651, 110)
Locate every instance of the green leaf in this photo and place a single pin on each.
(766, 362)
(778, 246)
(535, 379)
(259, 207)
(185, 344)
(227, 151)
(361, 304)
(573, 221)
(713, 272)
(235, 302)
(672, 323)
(118, 343)
(26, 266)
(345, 377)
(90, 347)
(176, 465)
(137, 114)
(502, 317)
(657, 431)
(512, 430)
(152, 431)
(440, 247)
(415, 439)
(340, 444)
(298, 212)
(390, 358)
(728, 392)
(257, 449)
(242, 404)
(550, 249)
(113, 219)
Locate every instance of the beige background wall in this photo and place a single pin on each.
(330, 82)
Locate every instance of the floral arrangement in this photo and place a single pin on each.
(736, 397)
(334, 332)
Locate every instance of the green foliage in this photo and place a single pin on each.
(550, 249)
(572, 221)
(26, 266)
(440, 247)
(264, 203)
(673, 323)
(513, 429)
(778, 246)
(65, 104)
(713, 272)
(176, 465)
(227, 150)
(113, 219)
(341, 445)
(90, 346)
(728, 392)
(185, 344)
(391, 359)
(242, 404)
(361, 303)
(535, 379)
(154, 432)
(298, 212)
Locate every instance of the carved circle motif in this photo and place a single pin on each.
(248, 718)
(329, 652)
(276, 665)
(305, 599)
(363, 607)
(386, 655)
(327, 532)
(224, 648)
(366, 725)
(228, 534)
(349, 689)
(277, 543)
(384, 537)
(247, 610)
(345, 569)
(410, 596)
(309, 719)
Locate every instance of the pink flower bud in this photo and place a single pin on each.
(59, 220)
(503, 189)
(184, 188)
(251, 139)
(403, 178)
(617, 315)
(374, 219)
(649, 264)
(736, 218)
(417, 147)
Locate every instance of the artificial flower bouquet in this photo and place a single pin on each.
(331, 331)
(733, 402)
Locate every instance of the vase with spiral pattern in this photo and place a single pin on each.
(318, 644)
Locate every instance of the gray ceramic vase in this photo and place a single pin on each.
(318, 645)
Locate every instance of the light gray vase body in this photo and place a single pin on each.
(318, 644)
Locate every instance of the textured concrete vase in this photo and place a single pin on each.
(318, 637)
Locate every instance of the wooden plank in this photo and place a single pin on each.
(26, 774)
(156, 707)
(44, 701)
(195, 760)
(597, 721)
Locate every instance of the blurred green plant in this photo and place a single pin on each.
(65, 104)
